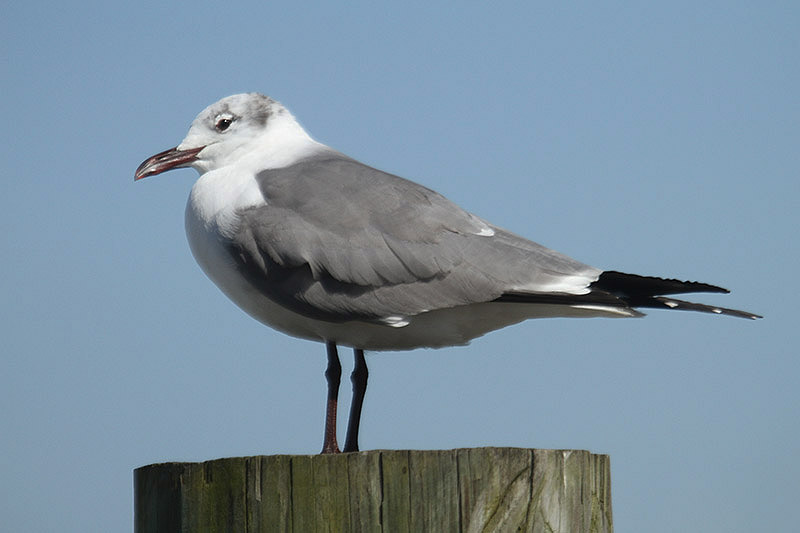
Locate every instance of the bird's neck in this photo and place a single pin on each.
(284, 143)
(223, 191)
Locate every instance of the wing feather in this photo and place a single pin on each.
(339, 240)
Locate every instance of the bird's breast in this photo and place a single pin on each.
(206, 231)
(208, 242)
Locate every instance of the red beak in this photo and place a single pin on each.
(166, 160)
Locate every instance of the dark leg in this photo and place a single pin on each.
(359, 379)
(334, 375)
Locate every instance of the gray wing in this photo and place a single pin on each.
(340, 240)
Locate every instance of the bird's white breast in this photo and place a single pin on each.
(212, 217)
(208, 223)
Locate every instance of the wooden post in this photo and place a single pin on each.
(473, 489)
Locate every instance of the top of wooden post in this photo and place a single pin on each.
(472, 489)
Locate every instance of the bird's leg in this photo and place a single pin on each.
(334, 375)
(359, 379)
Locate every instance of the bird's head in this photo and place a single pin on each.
(226, 132)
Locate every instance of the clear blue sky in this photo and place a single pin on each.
(656, 140)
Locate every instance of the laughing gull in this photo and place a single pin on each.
(322, 247)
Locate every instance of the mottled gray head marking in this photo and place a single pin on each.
(259, 108)
(252, 108)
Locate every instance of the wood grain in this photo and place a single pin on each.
(471, 490)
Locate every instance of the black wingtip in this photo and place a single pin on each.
(651, 292)
(672, 303)
(630, 291)
(635, 286)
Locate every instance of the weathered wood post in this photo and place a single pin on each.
(473, 489)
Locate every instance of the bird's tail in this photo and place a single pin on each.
(651, 292)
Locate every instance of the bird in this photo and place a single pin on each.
(320, 246)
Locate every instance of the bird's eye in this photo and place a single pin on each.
(223, 124)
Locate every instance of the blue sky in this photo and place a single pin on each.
(656, 140)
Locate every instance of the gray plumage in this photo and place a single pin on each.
(338, 240)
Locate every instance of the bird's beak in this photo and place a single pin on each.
(166, 160)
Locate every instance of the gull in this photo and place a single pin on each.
(320, 246)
